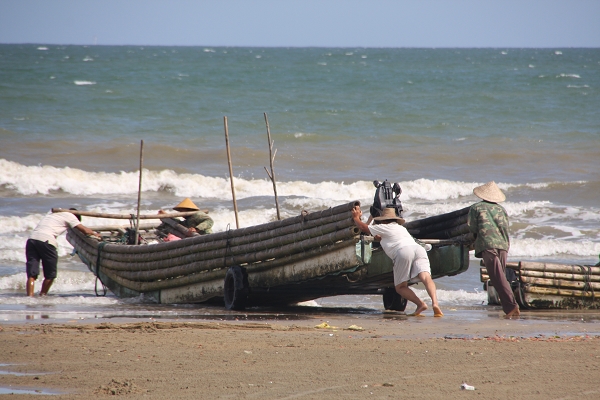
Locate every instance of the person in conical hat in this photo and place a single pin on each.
(198, 223)
(488, 221)
(411, 263)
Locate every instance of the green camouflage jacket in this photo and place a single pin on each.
(201, 221)
(489, 223)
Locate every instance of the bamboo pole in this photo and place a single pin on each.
(511, 265)
(237, 223)
(561, 283)
(271, 161)
(112, 228)
(583, 269)
(560, 292)
(126, 216)
(137, 223)
(559, 275)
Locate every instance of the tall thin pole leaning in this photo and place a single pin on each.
(137, 224)
(237, 223)
(272, 160)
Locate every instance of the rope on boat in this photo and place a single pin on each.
(228, 248)
(100, 247)
(587, 280)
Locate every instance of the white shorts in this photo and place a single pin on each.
(409, 262)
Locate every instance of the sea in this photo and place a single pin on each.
(76, 123)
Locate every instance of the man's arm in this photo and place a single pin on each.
(356, 214)
(87, 231)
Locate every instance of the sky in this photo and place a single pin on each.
(306, 23)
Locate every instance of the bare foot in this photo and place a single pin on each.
(419, 310)
(514, 313)
(437, 311)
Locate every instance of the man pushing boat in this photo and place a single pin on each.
(411, 263)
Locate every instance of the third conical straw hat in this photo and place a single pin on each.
(489, 192)
(388, 214)
(186, 205)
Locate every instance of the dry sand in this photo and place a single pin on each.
(392, 356)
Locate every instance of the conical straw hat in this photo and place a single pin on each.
(489, 192)
(186, 205)
(387, 214)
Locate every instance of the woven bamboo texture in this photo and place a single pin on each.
(202, 258)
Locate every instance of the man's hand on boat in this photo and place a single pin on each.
(87, 231)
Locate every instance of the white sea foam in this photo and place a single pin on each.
(529, 247)
(568, 76)
(66, 281)
(455, 297)
(84, 83)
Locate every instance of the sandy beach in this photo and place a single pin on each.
(387, 355)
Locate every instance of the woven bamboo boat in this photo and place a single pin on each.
(550, 286)
(297, 259)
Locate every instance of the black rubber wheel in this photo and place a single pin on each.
(236, 288)
(393, 301)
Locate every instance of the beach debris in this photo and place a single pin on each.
(464, 386)
(116, 387)
(355, 328)
(247, 352)
(325, 325)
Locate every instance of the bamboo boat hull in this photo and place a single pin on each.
(298, 259)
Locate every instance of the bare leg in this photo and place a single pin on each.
(46, 286)
(29, 286)
(406, 292)
(425, 277)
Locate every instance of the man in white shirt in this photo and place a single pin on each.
(42, 245)
(411, 263)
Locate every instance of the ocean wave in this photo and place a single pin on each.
(529, 247)
(66, 282)
(455, 297)
(45, 179)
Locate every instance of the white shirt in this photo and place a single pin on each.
(53, 225)
(393, 237)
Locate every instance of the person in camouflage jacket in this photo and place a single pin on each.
(488, 221)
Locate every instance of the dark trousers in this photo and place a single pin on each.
(495, 263)
(35, 251)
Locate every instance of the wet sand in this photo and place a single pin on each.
(389, 355)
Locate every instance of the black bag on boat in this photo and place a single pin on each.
(387, 195)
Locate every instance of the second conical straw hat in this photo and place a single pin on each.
(489, 192)
(186, 205)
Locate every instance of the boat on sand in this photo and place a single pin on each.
(312, 255)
